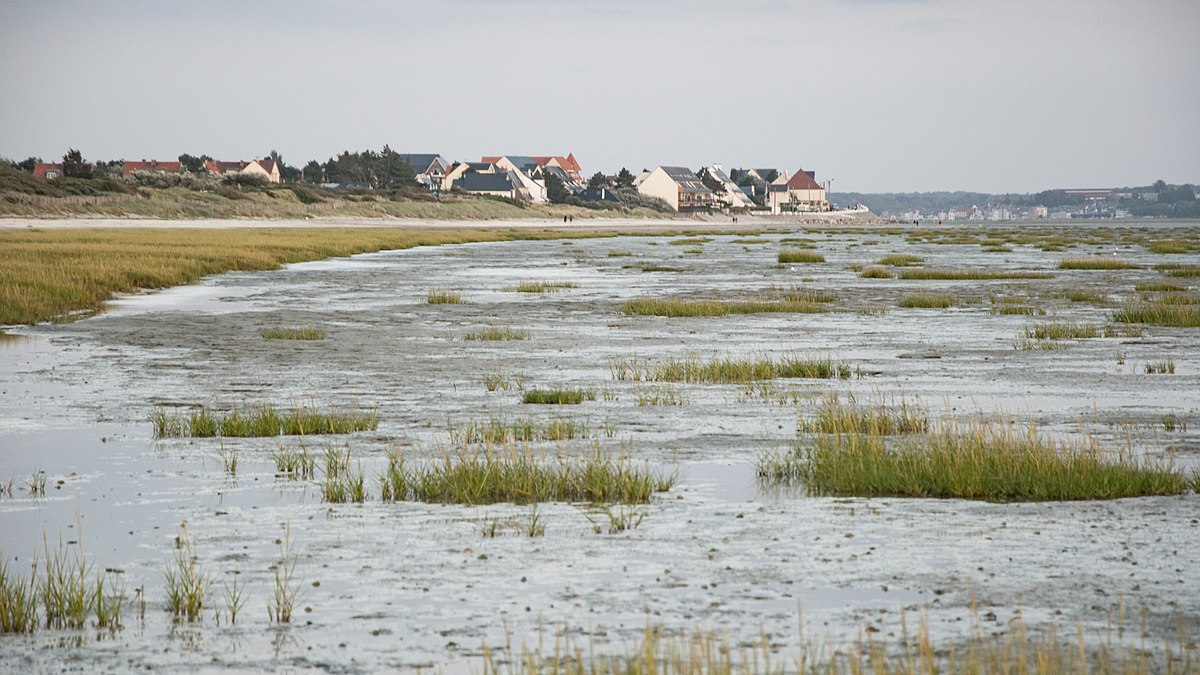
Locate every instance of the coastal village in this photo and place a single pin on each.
(541, 179)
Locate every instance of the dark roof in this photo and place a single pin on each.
(598, 195)
(420, 162)
(688, 181)
(484, 182)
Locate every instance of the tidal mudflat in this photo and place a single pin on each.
(741, 344)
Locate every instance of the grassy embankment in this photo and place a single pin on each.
(52, 274)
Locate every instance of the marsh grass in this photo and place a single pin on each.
(64, 589)
(497, 430)
(652, 267)
(837, 416)
(932, 274)
(285, 586)
(1174, 246)
(1017, 310)
(1096, 263)
(928, 301)
(516, 474)
(229, 459)
(674, 308)
(1062, 330)
(233, 594)
(876, 272)
(186, 581)
(1159, 312)
(443, 297)
(1082, 295)
(693, 370)
(690, 241)
(982, 458)
(665, 395)
(1180, 270)
(792, 255)
(296, 464)
(18, 601)
(35, 484)
(901, 260)
(619, 254)
(543, 286)
(1159, 287)
(345, 484)
(749, 241)
(1166, 367)
(293, 333)
(260, 421)
(617, 520)
(393, 482)
(497, 333)
(496, 382)
(558, 396)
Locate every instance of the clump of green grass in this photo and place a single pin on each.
(928, 301)
(558, 396)
(931, 274)
(809, 296)
(286, 588)
(1166, 367)
(661, 395)
(652, 267)
(258, 421)
(792, 255)
(293, 333)
(982, 459)
(1061, 330)
(876, 272)
(495, 474)
(496, 381)
(187, 582)
(749, 241)
(619, 520)
(1095, 263)
(497, 333)
(393, 483)
(1173, 246)
(297, 464)
(521, 429)
(343, 484)
(619, 254)
(1179, 270)
(693, 370)
(445, 298)
(18, 602)
(900, 260)
(1159, 287)
(695, 308)
(544, 286)
(1021, 310)
(835, 416)
(1083, 295)
(1159, 312)
(689, 241)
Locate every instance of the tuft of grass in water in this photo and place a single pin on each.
(259, 421)
(558, 396)
(229, 459)
(232, 594)
(445, 298)
(1180, 270)
(393, 483)
(619, 254)
(618, 520)
(900, 260)
(1061, 330)
(525, 429)
(535, 525)
(497, 333)
(749, 241)
(342, 484)
(187, 582)
(297, 464)
(983, 459)
(1160, 368)
(793, 255)
(1173, 246)
(286, 588)
(18, 601)
(543, 286)
(515, 474)
(1095, 263)
(693, 370)
(495, 381)
(1020, 310)
(293, 333)
(835, 416)
(689, 241)
(932, 274)
(661, 395)
(652, 267)
(1159, 312)
(36, 484)
(1159, 287)
(927, 301)
(1083, 295)
(876, 272)
(696, 308)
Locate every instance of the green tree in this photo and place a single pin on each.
(710, 181)
(313, 172)
(75, 167)
(598, 180)
(28, 163)
(556, 192)
(193, 164)
(1159, 185)
(624, 178)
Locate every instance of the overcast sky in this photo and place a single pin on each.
(878, 95)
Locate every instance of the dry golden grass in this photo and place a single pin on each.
(52, 274)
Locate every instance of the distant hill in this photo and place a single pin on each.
(1157, 200)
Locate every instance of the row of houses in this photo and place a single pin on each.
(532, 178)
(267, 168)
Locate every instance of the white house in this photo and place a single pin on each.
(678, 187)
(800, 192)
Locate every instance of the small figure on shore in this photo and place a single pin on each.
(564, 219)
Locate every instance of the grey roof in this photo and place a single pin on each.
(688, 181)
(420, 162)
(485, 182)
(522, 162)
(719, 175)
(598, 195)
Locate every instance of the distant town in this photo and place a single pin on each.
(538, 179)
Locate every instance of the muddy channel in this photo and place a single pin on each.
(407, 585)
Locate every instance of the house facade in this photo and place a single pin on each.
(679, 187)
(734, 197)
(267, 168)
(800, 192)
(429, 169)
(49, 171)
(498, 184)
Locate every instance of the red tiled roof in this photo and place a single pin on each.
(40, 169)
(152, 165)
(267, 164)
(218, 167)
(802, 181)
